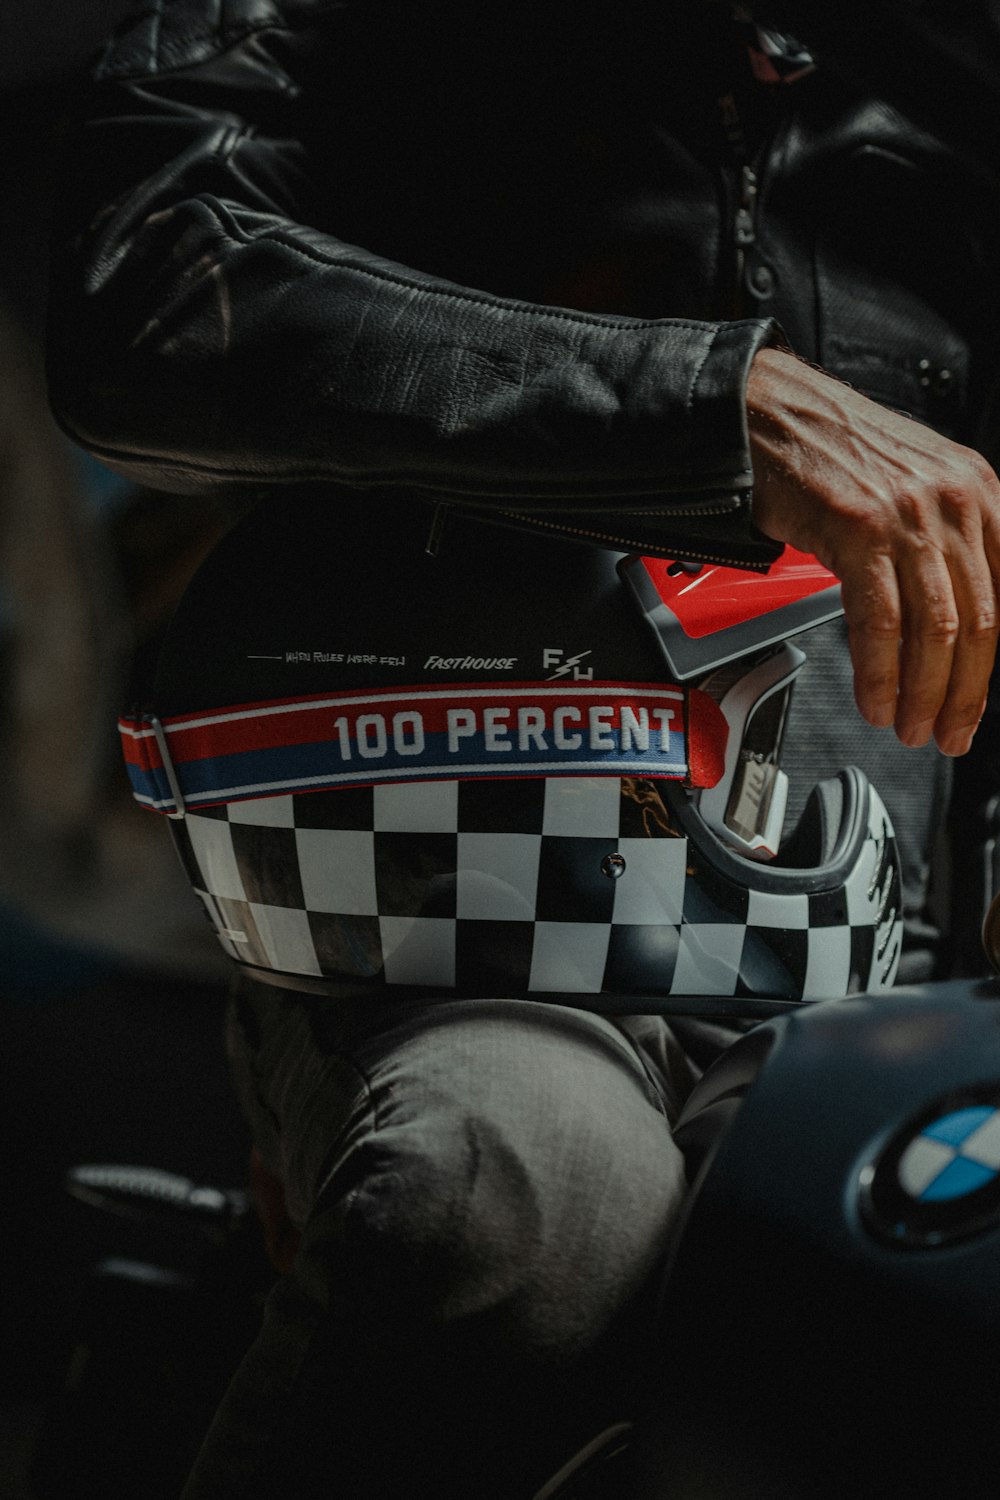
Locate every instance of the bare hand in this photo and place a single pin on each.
(908, 521)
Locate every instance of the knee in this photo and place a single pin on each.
(467, 1222)
(438, 1228)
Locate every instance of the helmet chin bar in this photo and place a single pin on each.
(746, 808)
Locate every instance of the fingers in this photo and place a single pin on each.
(950, 619)
(923, 634)
(945, 658)
(874, 626)
(907, 519)
(967, 683)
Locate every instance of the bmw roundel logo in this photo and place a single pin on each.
(937, 1179)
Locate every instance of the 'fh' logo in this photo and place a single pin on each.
(553, 657)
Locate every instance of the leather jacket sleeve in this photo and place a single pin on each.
(203, 331)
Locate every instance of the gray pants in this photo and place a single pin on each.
(484, 1191)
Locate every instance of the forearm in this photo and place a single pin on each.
(203, 331)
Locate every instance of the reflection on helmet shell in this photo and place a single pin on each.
(503, 887)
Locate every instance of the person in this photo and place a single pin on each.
(664, 279)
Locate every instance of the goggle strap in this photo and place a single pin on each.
(455, 732)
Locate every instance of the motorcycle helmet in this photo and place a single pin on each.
(403, 765)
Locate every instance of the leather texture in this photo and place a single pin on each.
(492, 256)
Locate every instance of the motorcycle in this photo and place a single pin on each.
(831, 1293)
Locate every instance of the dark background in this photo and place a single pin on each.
(111, 993)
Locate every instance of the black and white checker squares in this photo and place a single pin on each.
(503, 887)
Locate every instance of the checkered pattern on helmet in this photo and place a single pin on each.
(836, 941)
(502, 887)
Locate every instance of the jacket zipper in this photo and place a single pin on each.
(628, 544)
(744, 232)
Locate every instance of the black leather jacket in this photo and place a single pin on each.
(514, 256)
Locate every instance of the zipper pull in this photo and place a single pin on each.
(744, 233)
(746, 230)
(436, 530)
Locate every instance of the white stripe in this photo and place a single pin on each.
(154, 802)
(440, 773)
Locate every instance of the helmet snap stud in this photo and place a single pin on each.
(613, 865)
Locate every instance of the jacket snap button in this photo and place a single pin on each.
(935, 380)
(762, 281)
